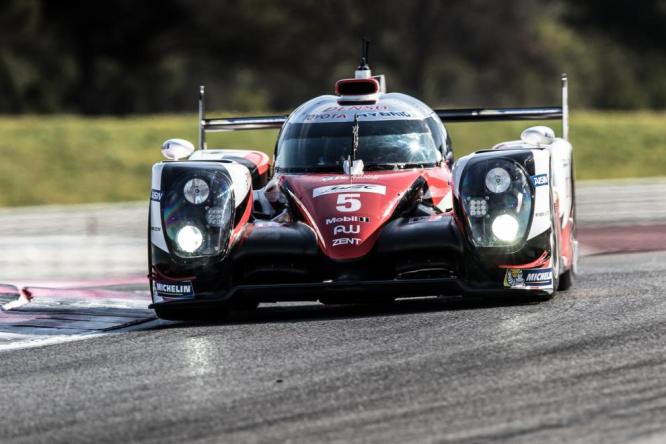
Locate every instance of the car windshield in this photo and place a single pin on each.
(387, 144)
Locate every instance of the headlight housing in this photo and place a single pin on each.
(197, 209)
(497, 199)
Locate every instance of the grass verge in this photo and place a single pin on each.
(69, 159)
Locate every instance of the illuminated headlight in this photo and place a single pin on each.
(498, 180)
(196, 191)
(478, 207)
(189, 238)
(198, 208)
(496, 199)
(505, 227)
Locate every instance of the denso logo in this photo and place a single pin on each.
(346, 229)
(541, 179)
(346, 188)
(337, 220)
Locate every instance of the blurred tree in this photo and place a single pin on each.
(123, 56)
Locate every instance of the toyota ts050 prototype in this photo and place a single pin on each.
(363, 201)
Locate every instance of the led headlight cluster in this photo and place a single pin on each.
(496, 197)
(478, 207)
(197, 210)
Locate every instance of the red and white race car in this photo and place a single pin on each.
(363, 202)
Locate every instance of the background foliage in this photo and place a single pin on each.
(124, 56)
(117, 78)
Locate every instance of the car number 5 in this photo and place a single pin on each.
(348, 202)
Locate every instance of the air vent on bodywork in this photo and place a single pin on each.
(357, 87)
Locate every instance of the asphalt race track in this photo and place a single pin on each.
(587, 366)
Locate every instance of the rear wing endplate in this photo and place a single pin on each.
(447, 115)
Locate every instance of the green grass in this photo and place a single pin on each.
(68, 159)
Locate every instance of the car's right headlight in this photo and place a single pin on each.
(496, 196)
(197, 210)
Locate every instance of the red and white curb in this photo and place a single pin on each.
(42, 313)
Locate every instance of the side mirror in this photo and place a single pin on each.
(176, 149)
(538, 135)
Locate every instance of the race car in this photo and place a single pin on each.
(363, 202)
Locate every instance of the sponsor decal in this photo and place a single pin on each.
(350, 187)
(341, 219)
(346, 229)
(176, 289)
(356, 108)
(343, 116)
(519, 278)
(346, 241)
(156, 228)
(325, 116)
(543, 276)
(540, 179)
(155, 195)
(514, 278)
(365, 176)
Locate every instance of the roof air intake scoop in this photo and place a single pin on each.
(364, 87)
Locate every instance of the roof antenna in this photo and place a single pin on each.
(363, 70)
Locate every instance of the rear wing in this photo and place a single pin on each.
(447, 115)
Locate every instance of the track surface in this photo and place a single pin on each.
(587, 366)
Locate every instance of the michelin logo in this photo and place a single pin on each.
(174, 289)
(518, 278)
(540, 179)
(539, 277)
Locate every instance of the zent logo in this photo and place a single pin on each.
(348, 203)
(346, 241)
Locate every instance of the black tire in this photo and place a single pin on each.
(555, 251)
(568, 277)
(175, 313)
(566, 280)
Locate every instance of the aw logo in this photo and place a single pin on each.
(346, 229)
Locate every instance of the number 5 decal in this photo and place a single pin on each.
(348, 202)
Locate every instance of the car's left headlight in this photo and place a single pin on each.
(496, 198)
(197, 210)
